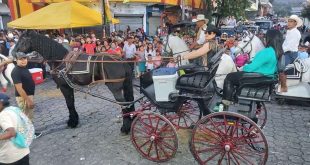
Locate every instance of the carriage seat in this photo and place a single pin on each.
(255, 86)
(199, 77)
(193, 82)
(149, 92)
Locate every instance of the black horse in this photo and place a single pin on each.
(53, 52)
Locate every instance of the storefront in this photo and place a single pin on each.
(153, 19)
(132, 15)
(4, 15)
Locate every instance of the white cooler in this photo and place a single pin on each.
(164, 85)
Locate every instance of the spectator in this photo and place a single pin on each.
(98, 46)
(157, 60)
(129, 51)
(302, 52)
(149, 64)
(171, 63)
(9, 153)
(24, 86)
(140, 54)
(290, 47)
(116, 49)
(201, 23)
(150, 50)
(89, 47)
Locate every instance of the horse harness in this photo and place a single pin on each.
(242, 48)
(71, 59)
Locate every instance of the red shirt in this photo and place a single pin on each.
(89, 48)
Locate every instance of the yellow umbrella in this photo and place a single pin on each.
(68, 14)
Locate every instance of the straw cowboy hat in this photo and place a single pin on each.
(200, 17)
(297, 19)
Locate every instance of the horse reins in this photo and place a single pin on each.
(242, 48)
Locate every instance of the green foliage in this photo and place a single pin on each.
(232, 8)
(282, 10)
(227, 8)
(306, 12)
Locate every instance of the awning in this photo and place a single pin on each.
(191, 3)
(4, 10)
(68, 14)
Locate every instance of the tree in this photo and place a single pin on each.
(282, 9)
(226, 8)
(306, 12)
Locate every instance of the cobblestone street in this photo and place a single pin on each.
(97, 140)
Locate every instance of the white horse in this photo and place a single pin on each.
(249, 44)
(6, 73)
(175, 45)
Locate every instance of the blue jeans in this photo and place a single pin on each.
(290, 57)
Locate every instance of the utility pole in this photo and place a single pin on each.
(183, 9)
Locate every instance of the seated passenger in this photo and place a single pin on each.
(264, 62)
(208, 49)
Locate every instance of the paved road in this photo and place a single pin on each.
(97, 141)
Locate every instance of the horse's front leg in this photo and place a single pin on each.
(68, 93)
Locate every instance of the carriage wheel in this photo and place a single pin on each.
(154, 137)
(188, 115)
(228, 138)
(261, 115)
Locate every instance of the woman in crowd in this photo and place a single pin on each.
(150, 50)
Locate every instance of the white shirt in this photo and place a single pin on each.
(201, 38)
(292, 40)
(129, 50)
(8, 152)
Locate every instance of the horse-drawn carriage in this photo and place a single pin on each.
(232, 136)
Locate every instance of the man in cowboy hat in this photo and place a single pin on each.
(201, 23)
(290, 46)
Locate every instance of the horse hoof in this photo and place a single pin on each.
(124, 134)
(72, 124)
(125, 131)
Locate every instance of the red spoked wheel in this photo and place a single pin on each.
(261, 115)
(188, 115)
(228, 138)
(154, 137)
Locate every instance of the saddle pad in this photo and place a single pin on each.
(81, 67)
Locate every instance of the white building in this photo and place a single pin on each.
(4, 15)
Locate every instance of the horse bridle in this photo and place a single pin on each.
(249, 42)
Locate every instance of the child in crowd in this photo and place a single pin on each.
(140, 56)
(302, 52)
(171, 63)
(157, 59)
(149, 64)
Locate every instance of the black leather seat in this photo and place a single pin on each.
(255, 86)
(197, 78)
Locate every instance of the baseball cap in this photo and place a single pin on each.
(20, 55)
(4, 98)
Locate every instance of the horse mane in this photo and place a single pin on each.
(47, 47)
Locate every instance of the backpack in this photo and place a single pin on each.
(242, 59)
(25, 129)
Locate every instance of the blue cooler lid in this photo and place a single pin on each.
(164, 71)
